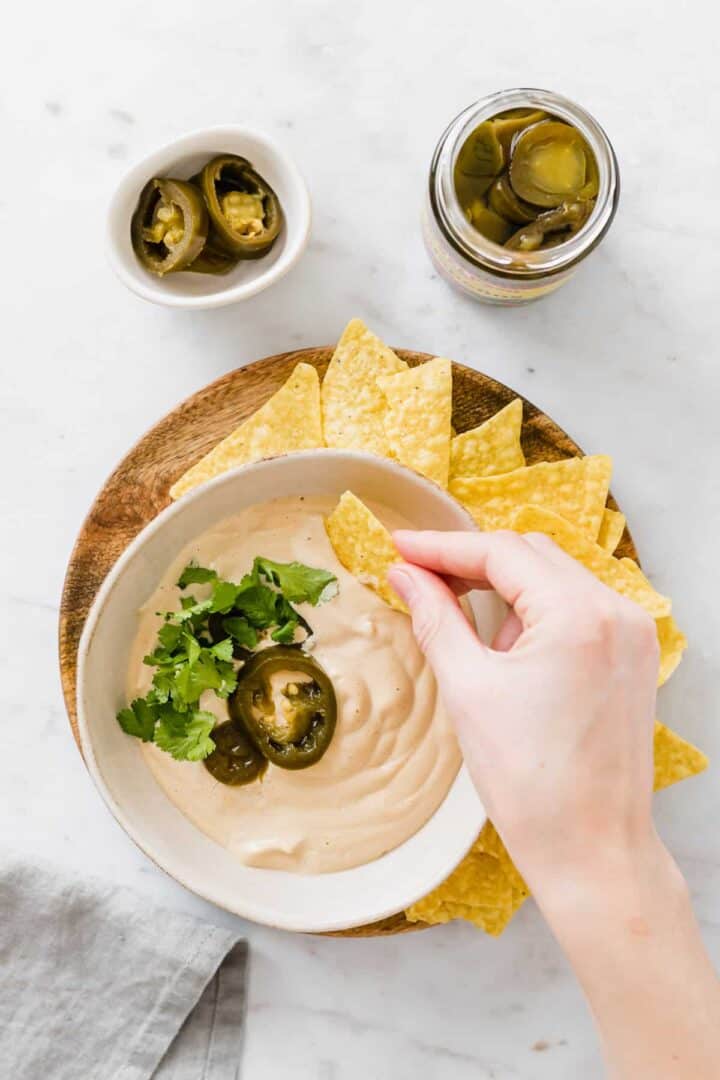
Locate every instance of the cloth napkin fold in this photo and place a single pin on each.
(96, 983)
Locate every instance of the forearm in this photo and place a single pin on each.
(628, 929)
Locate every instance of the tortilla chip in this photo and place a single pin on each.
(353, 405)
(364, 546)
(632, 567)
(477, 890)
(290, 420)
(490, 842)
(487, 889)
(610, 571)
(575, 488)
(612, 527)
(673, 644)
(492, 448)
(675, 759)
(417, 421)
(671, 639)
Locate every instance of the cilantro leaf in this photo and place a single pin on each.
(223, 650)
(192, 646)
(207, 673)
(223, 596)
(195, 575)
(228, 678)
(138, 720)
(186, 736)
(158, 658)
(163, 683)
(169, 635)
(257, 604)
(241, 631)
(192, 613)
(285, 634)
(297, 582)
(285, 612)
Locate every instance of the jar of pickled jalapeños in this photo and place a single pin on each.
(523, 186)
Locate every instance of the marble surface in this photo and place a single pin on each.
(625, 357)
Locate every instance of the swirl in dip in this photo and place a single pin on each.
(393, 756)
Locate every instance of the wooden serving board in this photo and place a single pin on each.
(138, 488)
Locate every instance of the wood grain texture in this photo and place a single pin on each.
(138, 488)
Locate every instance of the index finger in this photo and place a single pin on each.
(506, 561)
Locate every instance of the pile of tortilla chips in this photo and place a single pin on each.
(372, 400)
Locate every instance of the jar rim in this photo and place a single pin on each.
(475, 247)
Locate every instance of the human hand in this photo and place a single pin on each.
(555, 720)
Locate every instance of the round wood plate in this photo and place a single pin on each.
(138, 488)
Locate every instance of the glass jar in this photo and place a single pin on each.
(477, 266)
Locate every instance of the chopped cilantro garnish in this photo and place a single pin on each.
(207, 672)
(299, 584)
(193, 611)
(186, 736)
(138, 720)
(169, 635)
(288, 620)
(195, 575)
(223, 596)
(223, 650)
(162, 687)
(257, 604)
(285, 634)
(189, 659)
(241, 631)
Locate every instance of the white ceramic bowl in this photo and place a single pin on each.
(181, 159)
(306, 902)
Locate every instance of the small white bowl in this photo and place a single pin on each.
(301, 902)
(181, 159)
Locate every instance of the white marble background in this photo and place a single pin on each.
(625, 357)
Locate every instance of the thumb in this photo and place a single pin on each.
(439, 623)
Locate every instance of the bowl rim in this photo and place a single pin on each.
(468, 828)
(137, 174)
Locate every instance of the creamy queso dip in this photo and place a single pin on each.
(393, 756)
